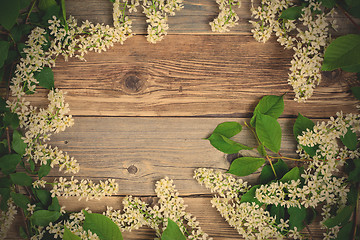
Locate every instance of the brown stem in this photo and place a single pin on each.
(8, 139)
(8, 83)
(348, 16)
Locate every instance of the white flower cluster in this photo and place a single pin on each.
(7, 218)
(227, 17)
(309, 43)
(250, 220)
(137, 213)
(84, 189)
(157, 13)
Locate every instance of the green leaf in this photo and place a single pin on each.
(45, 78)
(44, 170)
(63, 10)
(228, 129)
(68, 235)
(18, 144)
(261, 150)
(352, 7)
(293, 174)
(341, 218)
(328, 3)
(11, 119)
(352, 195)
(244, 166)
(270, 105)
(20, 200)
(342, 52)
(44, 196)
(102, 226)
(9, 13)
(5, 182)
(301, 125)
(3, 105)
(226, 145)
(354, 174)
(353, 68)
(249, 196)
(297, 217)
(278, 212)
(172, 232)
(55, 206)
(292, 13)
(9, 162)
(356, 92)
(24, 3)
(22, 233)
(45, 4)
(268, 131)
(4, 49)
(349, 139)
(267, 174)
(345, 232)
(21, 179)
(5, 195)
(44, 217)
(310, 150)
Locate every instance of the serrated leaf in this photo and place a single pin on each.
(297, 217)
(44, 170)
(11, 119)
(45, 78)
(45, 4)
(228, 129)
(44, 217)
(301, 125)
(4, 49)
(292, 13)
(20, 200)
(268, 131)
(172, 232)
(349, 139)
(249, 196)
(344, 51)
(226, 145)
(9, 162)
(21, 179)
(9, 13)
(55, 206)
(293, 174)
(18, 144)
(244, 166)
(356, 92)
(68, 235)
(103, 226)
(270, 105)
(341, 218)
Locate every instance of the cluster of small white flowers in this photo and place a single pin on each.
(223, 184)
(309, 44)
(7, 218)
(137, 213)
(39, 184)
(227, 17)
(84, 188)
(157, 13)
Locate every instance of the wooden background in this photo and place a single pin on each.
(141, 110)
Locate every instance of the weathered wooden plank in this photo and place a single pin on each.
(194, 18)
(190, 75)
(200, 207)
(137, 152)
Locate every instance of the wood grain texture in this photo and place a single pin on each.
(190, 75)
(137, 152)
(194, 18)
(200, 207)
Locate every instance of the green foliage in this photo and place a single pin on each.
(297, 217)
(21, 179)
(244, 166)
(9, 162)
(228, 129)
(268, 131)
(270, 105)
(102, 226)
(45, 78)
(225, 144)
(278, 212)
(22, 233)
(341, 218)
(343, 52)
(46, 4)
(345, 232)
(5, 195)
(11, 119)
(293, 174)
(44, 217)
(18, 144)
(352, 7)
(354, 170)
(172, 232)
(301, 125)
(9, 12)
(249, 196)
(356, 92)
(292, 13)
(44, 170)
(267, 174)
(350, 140)
(68, 235)
(4, 49)
(328, 3)
(54, 206)
(20, 200)
(43, 196)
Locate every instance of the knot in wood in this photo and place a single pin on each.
(133, 83)
(132, 169)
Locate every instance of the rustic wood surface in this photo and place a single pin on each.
(141, 110)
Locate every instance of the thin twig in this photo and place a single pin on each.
(348, 16)
(8, 139)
